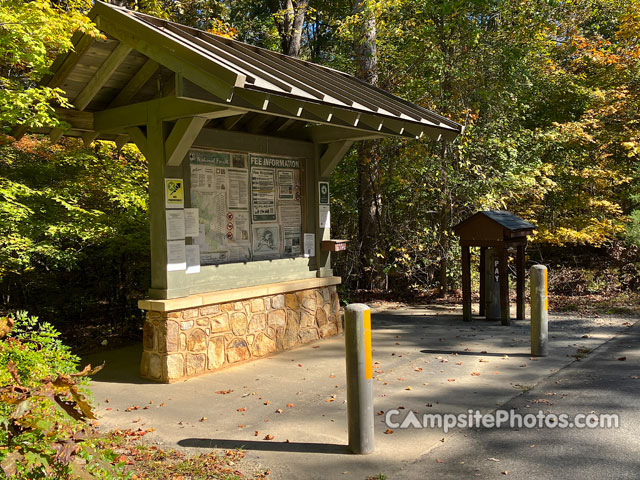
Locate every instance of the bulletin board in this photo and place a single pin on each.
(248, 205)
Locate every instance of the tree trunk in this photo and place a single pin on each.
(369, 198)
(443, 228)
(289, 21)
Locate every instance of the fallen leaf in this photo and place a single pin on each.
(493, 459)
(388, 431)
(332, 376)
(299, 364)
(267, 402)
(279, 410)
(417, 369)
(451, 380)
(290, 405)
(381, 412)
(224, 392)
(316, 346)
(475, 374)
(439, 460)
(622, 359)
(243, 409)
(408, 388)
(458, 363)
(256, 433)
(268, 437)
(241, 426)
(203, 419)
(506, 472)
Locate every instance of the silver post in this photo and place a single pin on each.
(539, 310)
(357, 335)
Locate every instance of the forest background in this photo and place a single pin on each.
(548, 92)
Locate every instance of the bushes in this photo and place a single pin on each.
(75, 245)
(45, 414)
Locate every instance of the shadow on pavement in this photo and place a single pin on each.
(478, 354)
(267, 446)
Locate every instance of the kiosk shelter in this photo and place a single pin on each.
(497, 231)
(241, 142)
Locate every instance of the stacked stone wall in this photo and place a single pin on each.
(192, 341)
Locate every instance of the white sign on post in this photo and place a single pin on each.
(309, 245)
(324, 216)
(191, 222)
(175, 224)
(176, 255)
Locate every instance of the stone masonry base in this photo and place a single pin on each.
(192, 341)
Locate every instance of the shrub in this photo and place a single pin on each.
(46, 428)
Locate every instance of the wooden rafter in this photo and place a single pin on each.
(103, 74)
(134, 85)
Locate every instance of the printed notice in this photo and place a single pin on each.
(309, 244)
(192, 258)
(174, 192)
(175, 224)
(266, 241)
(241, 229)
(239, 189)
(290, 214)
(285, 185)
(191, 222)
(176, 255)
(263, 199)
(324, 216)
(291, 241)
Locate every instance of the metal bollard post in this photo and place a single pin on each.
(357, 335)
(539, 310)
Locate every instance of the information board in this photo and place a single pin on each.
(249, 206)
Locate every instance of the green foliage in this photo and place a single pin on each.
(45, 415)
(75, 224)
(32, 34)
(35, 350)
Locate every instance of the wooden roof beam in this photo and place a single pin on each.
(110, 65)
(168, 109)
(64, 64)
(332, 156)
(181, 138)
(134, 85)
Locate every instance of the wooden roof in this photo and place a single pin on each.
(183, 72)
(506, 219)
(489, 227)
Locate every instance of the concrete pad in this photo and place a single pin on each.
(429, 362)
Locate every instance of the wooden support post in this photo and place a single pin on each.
(156, 154)
(483, 266)
(466, 284)
(520, 282)
(504, 287)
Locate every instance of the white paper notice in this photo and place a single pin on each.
(266, 241)
(175, 224)
(191, 222)
(193, 258)
(239, 189)
(325, 216)
(176, 255)
(290, 214)
(309, 244)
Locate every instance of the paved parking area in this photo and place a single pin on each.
(425, 359)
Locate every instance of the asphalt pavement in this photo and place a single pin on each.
(288, 411)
